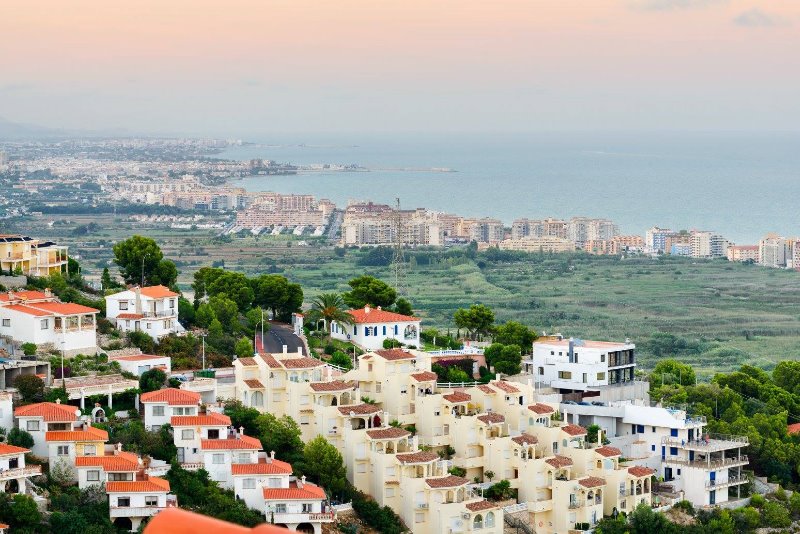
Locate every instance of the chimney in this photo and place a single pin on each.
(138, 292)
(301, 482)
(47, 292)
(271, 457)
(300, 351)
(366, 308)
(241, 432)
(58, 401)
(285, 349)
(119, 447)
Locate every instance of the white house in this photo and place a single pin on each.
(249, 479)
(579, 365)
(40, 418)
(64, 446)
(162, 405)
(373, 326)
(131, 502)
(219, 454)
(6, 410)
(14, 473)
(39, 317)
(141, 363)
(297, 504)
(190, 430)
(119, 466)
(151, 309)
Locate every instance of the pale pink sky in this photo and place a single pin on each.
(340, 65)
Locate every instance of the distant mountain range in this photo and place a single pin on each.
(11, 130)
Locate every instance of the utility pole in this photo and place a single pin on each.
(203, 339)
(398, 259)
(143, 258)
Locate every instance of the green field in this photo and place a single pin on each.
(710, 305)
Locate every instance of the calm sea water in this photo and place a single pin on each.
(742, 185)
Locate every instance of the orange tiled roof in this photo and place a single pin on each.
(177, 521)
(6, 449)
(235, 444)
(22, 295)
(359, 409)
(374, 315)
(394, 354)
(130, 316)
(172, 396)
(157, 292)
(559, 461)
(254, 383)
(592, 482)
(458, 396)
(793, 429)
(486, 389)
(109, 463)
(28, 310)
(247, 362)
(479, 506)
(208, 419)
(425, 376)
(335, 385)
(419, 457)
(608, 452)
(151, 485)
(639, 471)
(275, 467)
(505, 386)
(574, 430)
(492, 418)
(295, 493)
(540, 408)
(450, 481)
(302, 363)
(525, 439)
(388, 433)
(270, 360)
(90, 434)
(49, 411)
(63, 308)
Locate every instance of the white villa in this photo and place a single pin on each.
(152, 309)
(373, 326)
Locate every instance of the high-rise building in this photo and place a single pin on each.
(655, 239)
(772, 251)
(706, 244)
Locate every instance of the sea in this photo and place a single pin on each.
(742, 185)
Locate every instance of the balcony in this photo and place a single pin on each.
(706, 464)
(29, 471)
(321, 517)
(159, 314)
(717, 442)
(421, 506)
(732, 481)
(135, 511)
(540, 506)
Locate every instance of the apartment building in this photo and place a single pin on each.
(118, 466)
(772, 251)
(706, 244)
(545, 244)
(161, 406)
(31, 256)
(65, 446)
(190, 431)
(39, 317)
(373, 326)
(271, 209)
(744, 253)
(580, 365)
(580, 230)
(655, 239)
(616, 245)
(485, 230)
(150, 309)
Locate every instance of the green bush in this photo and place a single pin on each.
(29, 349)
(384, 520)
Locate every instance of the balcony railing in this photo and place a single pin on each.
(713, 464)
(421, 506)
(289, 517)
(156, 314)
(19, 472)
(723, 483)
(135, 511)
(716, 442)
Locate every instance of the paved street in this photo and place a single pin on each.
(279, 334)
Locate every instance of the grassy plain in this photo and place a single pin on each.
(721, 305)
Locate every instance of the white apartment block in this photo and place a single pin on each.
(162, 405)
(373, 326)
(153, 310)
(772, 251)
(707, 245)
(119, 466)
(39, 317)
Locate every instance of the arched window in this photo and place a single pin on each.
(257, 399)
(477, 522)
(490, 520)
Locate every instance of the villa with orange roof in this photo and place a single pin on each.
(190, 430)
(31, 256)
(132, 501)
(40, 418)
(373, 326)
(162, 405)
(39, 317)
(119, 466)
(151, 309)
(65, 446)
(14, 474)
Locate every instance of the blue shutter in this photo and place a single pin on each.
(384, 330)
(673, 432)
(395, 330)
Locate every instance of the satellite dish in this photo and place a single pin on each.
(77, 412)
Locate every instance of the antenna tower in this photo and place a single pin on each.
(398, 259)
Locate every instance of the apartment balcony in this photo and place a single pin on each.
(716, 442)
(708, 464)
(135, 511)
(732, 481)
(286, 518)
(421, 506)
(159, 314)
(29, 471)
(540, 506)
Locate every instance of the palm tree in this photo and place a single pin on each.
(329, 307)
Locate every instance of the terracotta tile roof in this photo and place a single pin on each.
(559, 461)
(592, 482)
(231, 444)
(151, 485)
(388, 433)
(458, 396)
(130, 316)
(479, 506)
(302, 363)
(450, 481)
(63, 308)
(49, 411)
(309, 491)
(374, 315)
(608, 452)
(486, 389)
(540, 408)
(492, 418)
(253, 383)
(157, 292)
(276, 467)
(417, 457)
(208, 419)
(247, 362)
(425, 376)
(6, 449)
(639, 471)
(27, 310)
(793, 428)
(505, 386)
(23, 295)
(270, 360)
(574, 430)
(525, 439)
(109, 463)
(90, 434)
(335, 385)
(359, 409)
(172, 396)
(394, 354)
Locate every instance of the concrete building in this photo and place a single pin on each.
(545, 244)
(40, 418)
(772, 251)
(743, 253)
(141, 363)
(655, 239)
(14, 474)
(132, 502)
(373, 326)
(706, 244)
(153, 310)
(162, 405)
(30, 256)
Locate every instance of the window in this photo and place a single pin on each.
(171, 304)
(63, 450)
(123, 502)
(673, 451)
(117, 477)
(158, 410)
(541, 371)
(565, 375)
(213, 433)
(148, 324)
(6, 322)
(653, 448)
(601, 376)
(673, 432)
(89, 450)
(33, 426)
(93, 476)
(384, 330)
(151, 500)
(274, 482)
(306, 508)
(654, 429)
(218, 459)
(640, 429)
(123, 305)
(602, 358)
(390, 492)
(45, 324)
(396, 330)
(243, 458)
(249, 483)
(187, 434)
(280, 508)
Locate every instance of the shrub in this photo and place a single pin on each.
(685, 506)
(457, 471)
(330, 349)
(390, 343)
(20, 438)
(384, 520)
(29, 349)
(30, 387)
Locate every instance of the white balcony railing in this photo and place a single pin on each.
(288, 517)
(135, 511)
(29, 471)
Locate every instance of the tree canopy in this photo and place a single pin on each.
(477, 319)
(368, 290)
(139, 257)
(328, 307)
(515, 333)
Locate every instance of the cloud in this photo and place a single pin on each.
(672, 5)
(756, 18)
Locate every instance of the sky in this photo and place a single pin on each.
(240, 67)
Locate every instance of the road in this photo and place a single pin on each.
(279, 334)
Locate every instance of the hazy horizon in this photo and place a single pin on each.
(247, 68)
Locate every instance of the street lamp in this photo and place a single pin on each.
(143, 258)
(203, 340)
